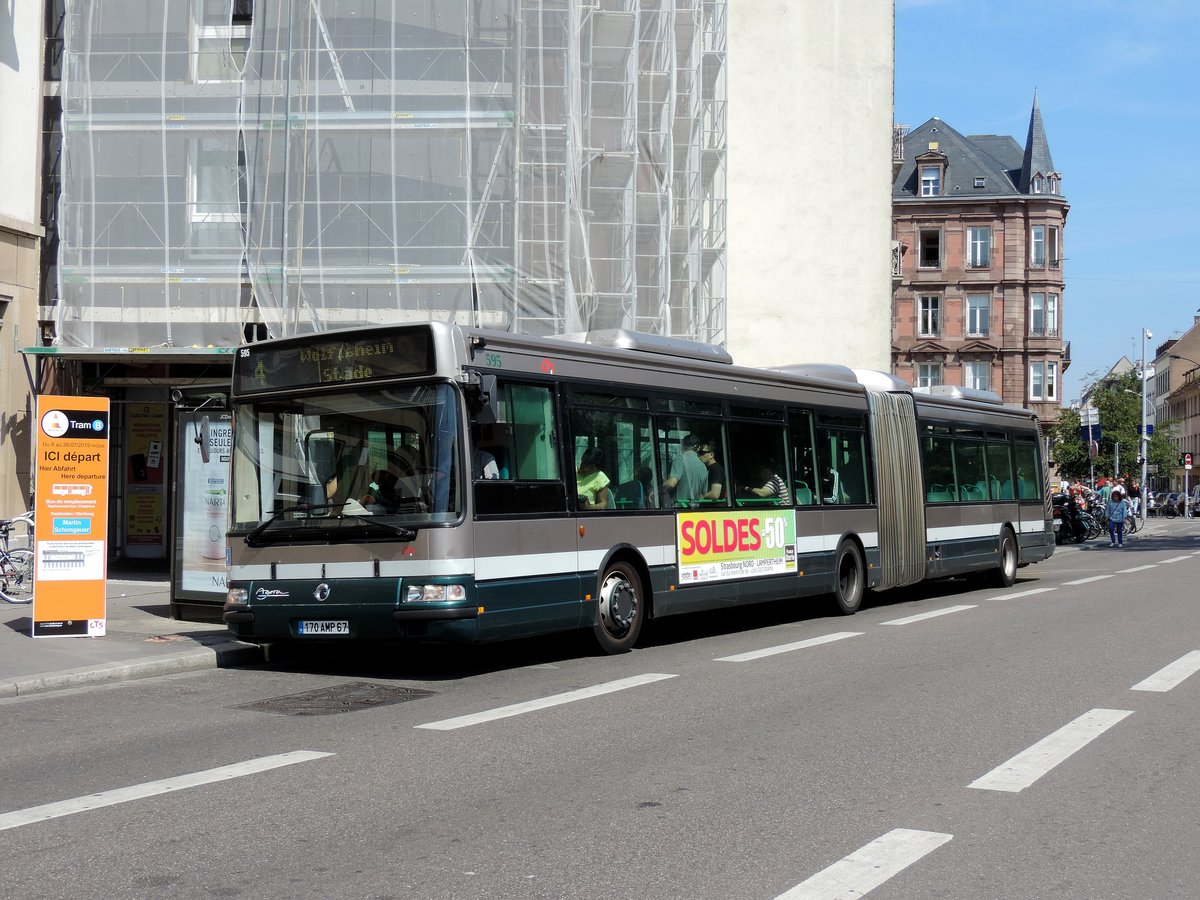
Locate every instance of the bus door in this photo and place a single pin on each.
(525, 543)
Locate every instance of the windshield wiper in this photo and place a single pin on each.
(253, 538)
(402, 532)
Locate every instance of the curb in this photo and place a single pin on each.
(215, 656)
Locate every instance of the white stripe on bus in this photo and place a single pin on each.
(962, 532)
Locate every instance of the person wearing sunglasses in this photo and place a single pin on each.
(716, 473)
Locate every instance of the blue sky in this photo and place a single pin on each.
(1119, 91)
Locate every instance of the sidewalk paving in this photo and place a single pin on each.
(142, 641)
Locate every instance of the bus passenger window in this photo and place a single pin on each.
(758, 455)
(804, 462)
(613, 452)
(845, 479)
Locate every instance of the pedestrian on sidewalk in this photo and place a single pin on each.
(1117, 510)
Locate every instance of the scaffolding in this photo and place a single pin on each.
(285, 166)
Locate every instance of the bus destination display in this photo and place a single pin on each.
(324, 360)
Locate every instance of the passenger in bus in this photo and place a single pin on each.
(773, 485)
(716, 473)
(591, 484)
(689, 476)
(381, 493)
(483, 465)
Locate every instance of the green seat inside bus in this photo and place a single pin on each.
(629, 495)
(804, 494)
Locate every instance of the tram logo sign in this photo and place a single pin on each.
(740, 543)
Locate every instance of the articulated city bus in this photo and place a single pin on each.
(445, 483)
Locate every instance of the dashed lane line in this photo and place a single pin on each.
(1087, 580)
(1163, 562)
(1137, 569)
(919, 617)
(786, 648)
(153, 788)
(1029, 765)
(1028, 593)
(869, 866)
(1171, 675)
(517, 709)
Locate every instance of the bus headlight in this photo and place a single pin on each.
(435, 593)
(236, 597)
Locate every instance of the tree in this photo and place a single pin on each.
(1068, 448)
(1119, 401)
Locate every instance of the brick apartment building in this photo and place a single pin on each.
(977, 264)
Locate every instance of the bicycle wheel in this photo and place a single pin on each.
(1169, 510)
(16, 577)
(1131, 524)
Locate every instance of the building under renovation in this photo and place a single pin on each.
(218, 171)
(234, 169)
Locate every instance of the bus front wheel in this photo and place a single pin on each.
(849, 579)
(621, 610)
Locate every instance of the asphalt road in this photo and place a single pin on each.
(948, 741)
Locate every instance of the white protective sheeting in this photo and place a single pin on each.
(541, 166)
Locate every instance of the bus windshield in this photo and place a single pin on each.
(358, 465)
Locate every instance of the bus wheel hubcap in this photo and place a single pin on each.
(618, 603)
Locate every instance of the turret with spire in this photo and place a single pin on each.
(1038, 175)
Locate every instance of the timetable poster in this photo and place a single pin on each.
(71, 504)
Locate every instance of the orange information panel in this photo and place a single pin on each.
(72, 516)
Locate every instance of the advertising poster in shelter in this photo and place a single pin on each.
(145, 478)
(205, 441)
(71, 513)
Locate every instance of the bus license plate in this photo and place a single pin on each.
(323, 626)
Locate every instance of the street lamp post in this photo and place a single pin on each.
(1142, 446)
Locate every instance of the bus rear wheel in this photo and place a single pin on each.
(849, 579)
(621, 608)
(1006, 575)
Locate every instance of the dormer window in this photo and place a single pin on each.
(1036, 185)
(1053, 179)
(931, 181)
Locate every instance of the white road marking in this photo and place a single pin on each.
(1169, 676)
(1028, 593)
(153, 788)
(1086, 580)
(517, 709)
(927, 615)
(869, 866)
(1175, 559)
(785, 648)
(1137, 569)
(1029, 765)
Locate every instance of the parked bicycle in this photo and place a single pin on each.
(16, 563)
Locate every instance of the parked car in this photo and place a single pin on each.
(1195, 502)
(1176, 498)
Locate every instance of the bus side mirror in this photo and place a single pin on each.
(483, 399)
